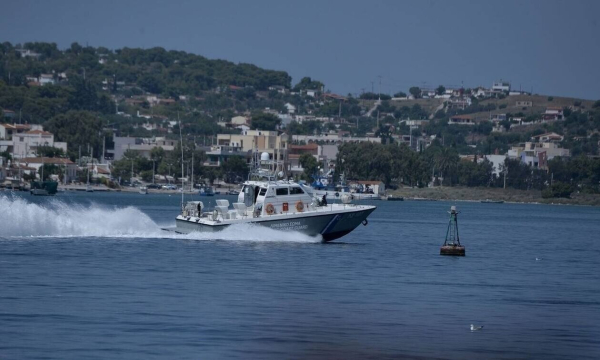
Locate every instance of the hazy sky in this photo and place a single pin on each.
(550, 46)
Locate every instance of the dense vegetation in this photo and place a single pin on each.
(398, 165)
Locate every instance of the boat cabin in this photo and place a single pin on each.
(277, 197)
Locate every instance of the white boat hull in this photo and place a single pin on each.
(330, 222)
(331, 194)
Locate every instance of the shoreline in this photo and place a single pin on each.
(477, 194)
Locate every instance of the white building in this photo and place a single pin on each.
(497, 162)
(142, 146)
(67, 167)
(501, 86)
(239, 120)
(26, 144)
(47, 79)
(553, 113)
(291, 109)
(312, 93)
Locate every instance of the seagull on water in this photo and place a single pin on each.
(475, 328)
(538, 259)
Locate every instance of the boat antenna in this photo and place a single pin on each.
(181, 145)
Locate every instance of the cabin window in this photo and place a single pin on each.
(296, 191)
(263, 191)
(281, 191)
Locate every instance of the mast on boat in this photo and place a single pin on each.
(181, 145)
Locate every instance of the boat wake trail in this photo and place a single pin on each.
(22, 219)
(57, 219)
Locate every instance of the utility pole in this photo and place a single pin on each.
(372, 87)
(505, 171)
(379, 87)
(192, 184)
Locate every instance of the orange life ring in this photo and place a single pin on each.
(270, 209)
(300, 206)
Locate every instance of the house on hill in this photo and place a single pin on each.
(461, 120)
(280, 89)
(553, 113)
(548, 137)
(524, 103)
(291, 109)
(312, 92)
(501, 86)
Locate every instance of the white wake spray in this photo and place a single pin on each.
(20, 218)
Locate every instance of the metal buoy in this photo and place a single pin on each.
(452, 244)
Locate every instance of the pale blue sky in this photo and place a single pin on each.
(550, 46)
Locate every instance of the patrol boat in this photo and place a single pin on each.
(279, 204)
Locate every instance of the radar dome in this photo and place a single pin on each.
(264, 156)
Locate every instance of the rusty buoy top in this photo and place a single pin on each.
(452, 244)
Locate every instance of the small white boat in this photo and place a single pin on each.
(143, 190)
(89, 188)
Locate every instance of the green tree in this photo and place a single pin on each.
(234, 167)
(558, 190)
(77, 128)
(415, 91)
(309, 164)
(49, 151)
(265, 121)
(446, 161)
(440, 90)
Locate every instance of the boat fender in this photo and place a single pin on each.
(300, 206)
(215, 214)
(365, 222)
(270, 209)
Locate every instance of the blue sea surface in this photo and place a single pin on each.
(92, 276)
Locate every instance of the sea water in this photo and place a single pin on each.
(93, 276)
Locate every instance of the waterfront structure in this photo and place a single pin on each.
(67, 167)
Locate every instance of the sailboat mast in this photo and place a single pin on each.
(181, 144)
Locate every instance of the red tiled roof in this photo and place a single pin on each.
(16, 126)
(41, 132)
(311, 146)
(465, 117)
(46, 160)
